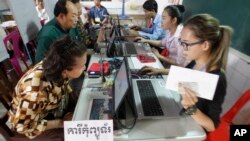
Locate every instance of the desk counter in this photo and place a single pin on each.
(143, 128)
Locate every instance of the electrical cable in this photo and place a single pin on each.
(134, 121)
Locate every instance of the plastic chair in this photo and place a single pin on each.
(6, 131)
(222, 133)
(5, 97)
(14, 37)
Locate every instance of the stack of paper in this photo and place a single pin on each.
(201, 82)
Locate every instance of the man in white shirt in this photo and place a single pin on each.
(42, 14)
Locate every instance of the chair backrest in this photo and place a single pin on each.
(5, 99)
(222, 132)
(14, 37)
(229, 116)
(6, 94)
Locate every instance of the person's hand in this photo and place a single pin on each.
(56, 123)
(109, 26)
(101, 35)
(189, 97)
(156, 52)
(60, 123)
(133, 32)
(140, 39)
(135, 27)
(68, 117)
(85, 72)
(147, 70)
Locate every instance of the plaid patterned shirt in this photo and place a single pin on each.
(34, 98)
(85, 38)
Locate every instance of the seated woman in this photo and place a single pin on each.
(39, 105)
(171, 19)
(150, 8)
(206, 43)
(98, 13)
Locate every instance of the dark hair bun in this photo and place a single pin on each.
(181, 8)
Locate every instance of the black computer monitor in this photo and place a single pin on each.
(123, 95)
(111, 48)
(121, 87)
(119, 27)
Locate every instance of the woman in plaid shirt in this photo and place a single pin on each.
(40, 91)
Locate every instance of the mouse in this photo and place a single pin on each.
(142, 72)
(136, 40)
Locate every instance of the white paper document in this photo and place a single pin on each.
(138, 65)
(204, 83)
(88, 130)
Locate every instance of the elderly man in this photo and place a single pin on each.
(66, 17)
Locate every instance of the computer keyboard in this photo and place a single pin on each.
(150, 102)
(130, 47)
(137, 75)
(101, 107)
(125, 32)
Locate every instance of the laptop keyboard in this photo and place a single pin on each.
(150, 102)
(136, 75)
(130, 47)
(125, 32)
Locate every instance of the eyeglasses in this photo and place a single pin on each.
(186, 45)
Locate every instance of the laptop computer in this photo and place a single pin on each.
(123, 30)
(134, 48)
(111, 47)
(147, 127)
(120, 87)
(104, 107)
(145, 102)
(152, 100)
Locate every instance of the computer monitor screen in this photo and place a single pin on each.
(113, 28)
(121, 86)
(118, 26)
(111, 50)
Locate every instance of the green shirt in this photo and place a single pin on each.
(47, 35)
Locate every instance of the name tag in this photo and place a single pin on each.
(97, 19)
(88, 130)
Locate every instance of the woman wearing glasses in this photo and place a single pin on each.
(206, 43)
(171, 22)
(41, 94)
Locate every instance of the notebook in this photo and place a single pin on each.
(122, 83)
(170, 111)
(103, 107)
(134, 48)
(121, 87)
(125, 32)
(152, 100)
(111, 48)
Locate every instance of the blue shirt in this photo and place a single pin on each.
(98, 12)
(155, 32)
